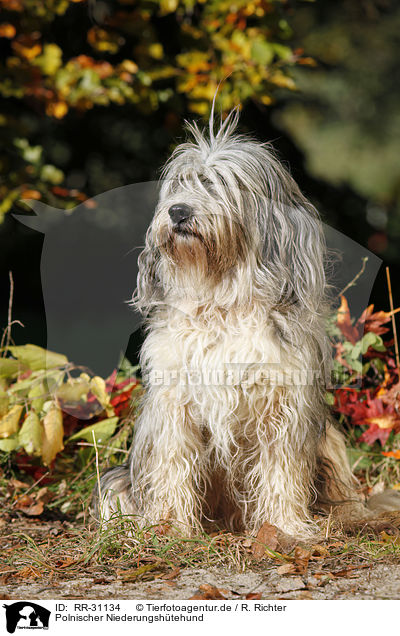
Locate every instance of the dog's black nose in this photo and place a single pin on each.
(180, 212)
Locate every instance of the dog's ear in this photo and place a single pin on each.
(294, 250)
(149, 289)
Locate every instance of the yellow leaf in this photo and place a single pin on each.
(7, 30)
(53, 433)
(168, 6)
(9, 422)
(266, 100)
(57, 109)
(156, 50)
(30, 435)
(386, 421)
(129, 66)
(279, 79)
(98, 388)
(50, 60)
(73, 390)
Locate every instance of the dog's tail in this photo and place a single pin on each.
(337, 487)
(113, 494)
(387, 501)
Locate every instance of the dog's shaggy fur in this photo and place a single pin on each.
(232, 285)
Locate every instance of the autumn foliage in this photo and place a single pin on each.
(369, 396)
(66, 57)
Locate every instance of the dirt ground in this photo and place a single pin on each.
(336, 576)
(379, 581)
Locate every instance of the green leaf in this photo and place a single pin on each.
(8, 367)
(371, 339)
(329, 398)
(8, 445)
(36, 358)
(50, 60)
(102, 431)
(37, 396)
(358, 458)
(262, 52)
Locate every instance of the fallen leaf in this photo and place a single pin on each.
(66, 562)
(305, 596)
(16, 484)
(318, 552)
(395, 454)
(301, 559)
(266, 539)
(29, 506)
(208, 592)
(136, 573)
(287, 568)
(253, 596)
(171, 575)
(388, 538)
(29, 572)
(44, 494)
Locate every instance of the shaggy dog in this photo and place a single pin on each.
(233, 426)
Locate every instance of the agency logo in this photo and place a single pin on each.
(26, 615)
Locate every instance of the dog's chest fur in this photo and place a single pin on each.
(212, 364)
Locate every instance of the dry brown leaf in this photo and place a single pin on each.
(349, 572)
(15, 483)
(208, 592)
(171, 575)
(305, 596)
(29, 572)
(29, 506)
(301, 559)
(44, 494)
(65, 563)
(318, 552)
(287, 568)
(253, 596)
(266, 539)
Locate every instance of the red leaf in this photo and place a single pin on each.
(344, 323)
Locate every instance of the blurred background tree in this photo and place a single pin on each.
(93, 95)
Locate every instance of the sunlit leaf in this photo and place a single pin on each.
(9, 422)
(35, 357)
(102, 431)
(8, 445)
(53, 433)
(30, 435)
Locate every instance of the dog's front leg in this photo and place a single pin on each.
(281, 480)
(167, 470)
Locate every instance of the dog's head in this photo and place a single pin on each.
(230, 221)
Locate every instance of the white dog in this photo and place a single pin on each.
(233, 426)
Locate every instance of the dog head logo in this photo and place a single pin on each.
(88, 272)
(26, 615)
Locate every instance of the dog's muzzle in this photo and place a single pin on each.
(180, 213)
